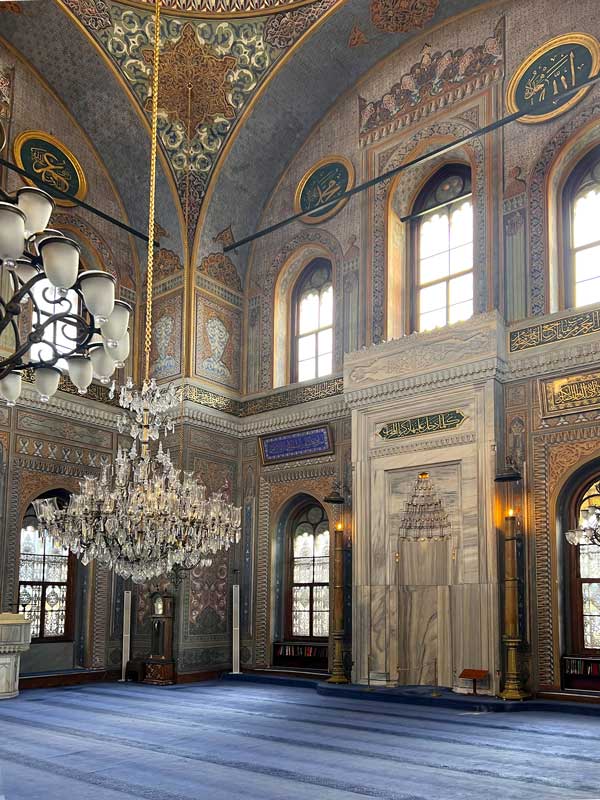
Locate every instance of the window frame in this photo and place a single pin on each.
(69, 631)
(290, 584)
(569, 193)
(418, 214)
(298, 290)
(576, 633)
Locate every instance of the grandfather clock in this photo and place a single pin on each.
(160, 667)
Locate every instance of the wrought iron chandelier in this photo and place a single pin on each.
(143, 517)
(51, 312)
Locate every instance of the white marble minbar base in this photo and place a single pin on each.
(15, 638)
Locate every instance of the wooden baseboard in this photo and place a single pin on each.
(67, 678)
(569, 697)
(195, 677)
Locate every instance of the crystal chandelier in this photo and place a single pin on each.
(143, 517)
(424, 518)
(588, 531)
(52, 314)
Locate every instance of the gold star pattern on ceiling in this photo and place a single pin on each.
(193, 81)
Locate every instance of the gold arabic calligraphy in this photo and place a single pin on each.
(555, 331)
(558, 75)
(577, 391)
(415, 426)
(51, 170)
(323, 186)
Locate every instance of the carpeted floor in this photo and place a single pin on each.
(218, 741)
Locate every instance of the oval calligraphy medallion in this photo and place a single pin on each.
(324, 182)
(543, 85)
(52, 163)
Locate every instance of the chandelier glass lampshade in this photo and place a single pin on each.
(50, 309)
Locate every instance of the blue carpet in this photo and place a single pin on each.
(227, 740)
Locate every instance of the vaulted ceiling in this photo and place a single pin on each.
(242, 84)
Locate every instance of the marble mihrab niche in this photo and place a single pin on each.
(418, 426)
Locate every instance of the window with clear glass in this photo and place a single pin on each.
(313, 356)
(587, 582)
(309, 569)
(61, 334)
(584, 258)
(443, 226)
(43, 584)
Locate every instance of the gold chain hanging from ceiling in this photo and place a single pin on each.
(151, 210)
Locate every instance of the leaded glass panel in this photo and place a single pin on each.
(310, 574)
(43, 583)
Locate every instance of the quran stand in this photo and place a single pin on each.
(474, 675)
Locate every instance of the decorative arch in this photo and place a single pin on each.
(557, 159)
(421, 142)
(281, 530)
(276, 283)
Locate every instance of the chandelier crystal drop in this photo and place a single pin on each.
(588, 531)
(141, 518)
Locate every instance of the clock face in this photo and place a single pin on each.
(543, 83)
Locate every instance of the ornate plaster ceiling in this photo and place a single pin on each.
(221, 8)
(242, 83)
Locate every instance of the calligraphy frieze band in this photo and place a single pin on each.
(418, 426)
(293, 445)
(556, 331)
(577, 392)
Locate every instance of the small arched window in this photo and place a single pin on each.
(581, 202)
(45, 581)
(312, 355)
(442, 234)
(309, 574)
(585, 582)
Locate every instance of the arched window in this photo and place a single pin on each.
(442, 235)
(312, 355)
(585, 583)
(309, 574)
(45, 582)
(581, 202)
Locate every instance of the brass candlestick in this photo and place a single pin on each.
(337, 673)
(514, 688)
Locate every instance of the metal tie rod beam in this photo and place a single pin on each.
(40, 184)
(494, 126)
